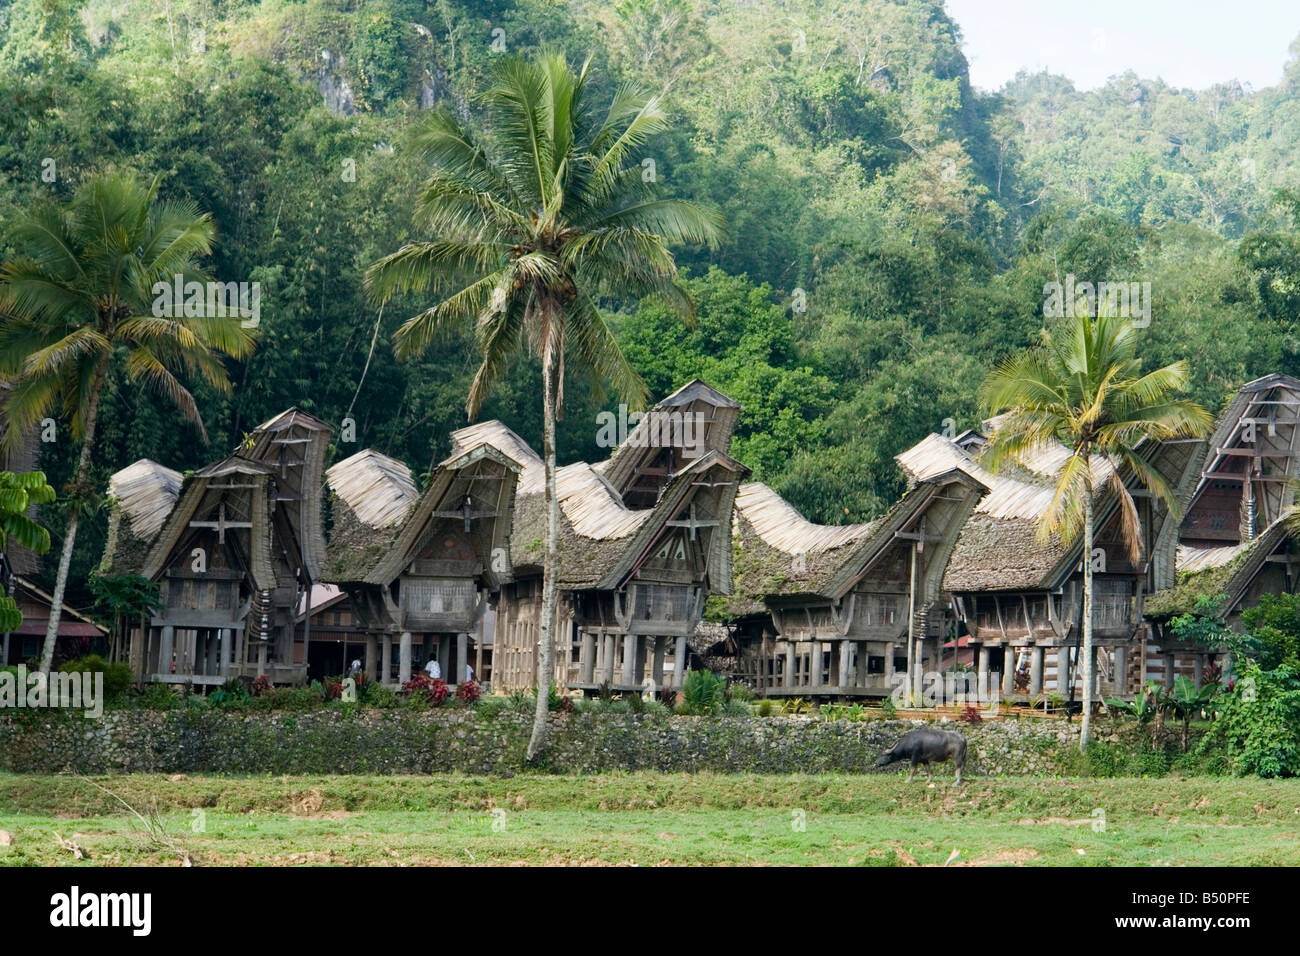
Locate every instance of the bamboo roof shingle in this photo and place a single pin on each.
(146, 492)
(143, 494)
(379, 490)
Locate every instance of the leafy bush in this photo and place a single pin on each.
(158, 697)
(232, 695)
(469, 691)
(767, 707)
(262, 685)
(703, 694)
(117, 677)
(1258, 726)
(888, 709)
(737, 708)
(429, 690)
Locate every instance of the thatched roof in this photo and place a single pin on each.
(379, 490)
(998, 548)
(1211, 572)
(372, 495)
(600, 537)
(143, 494)
(779, 554)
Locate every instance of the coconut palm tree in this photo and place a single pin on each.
(533, 222)
(79, 296)
(1084, 387)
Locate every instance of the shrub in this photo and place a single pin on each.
(738, 708)
(703, 694)
(1259, 723)
(117, 677)
(740, 692)
(158, 697)
(232, 695)
(469, 691)
(888, 709)
(767, 707)
(433, 690)
(262, 685)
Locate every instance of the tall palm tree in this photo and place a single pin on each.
(533, 221)
(1084, 387)
(80, 296)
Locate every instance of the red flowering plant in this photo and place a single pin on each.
(434, 687)
(261, 685)
(469, 691)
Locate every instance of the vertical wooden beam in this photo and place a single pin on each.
(587, 657)
(1037, 654)
(462, 658)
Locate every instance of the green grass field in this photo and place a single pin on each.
(646, 819)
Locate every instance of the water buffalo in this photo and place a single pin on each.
(926, 746)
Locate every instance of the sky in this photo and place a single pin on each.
(1187, 43)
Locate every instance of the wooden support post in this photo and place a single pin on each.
(442, 646)
(227, 649)
(1143, 648)
(657, 666)
(815, 665)
(385, 658)
(679, 663)
(1036, 655)
(638, 673)
(372, 657)
(845, 664)
(462, 658)
(404, 658)
(611, 654)
(982, 666)
(165, 649)
(1121, 671)
(1063, 669)
(261, 658)
(588, 657)
(629, 658)
(1008, 670)
(1169, 670)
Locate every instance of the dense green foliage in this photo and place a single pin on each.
(889, 230)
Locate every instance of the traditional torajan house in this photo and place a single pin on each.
(235, 547)
(1020, 600)
(419, 570)
(644, 540)
(1234, 542)
(839, 610)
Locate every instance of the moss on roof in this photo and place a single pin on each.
(1191, 586)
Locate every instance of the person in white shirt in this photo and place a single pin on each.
(469, 672)
(433, 669)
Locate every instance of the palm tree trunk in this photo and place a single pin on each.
(546, 645)
(70, 535)
(1085, 725)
